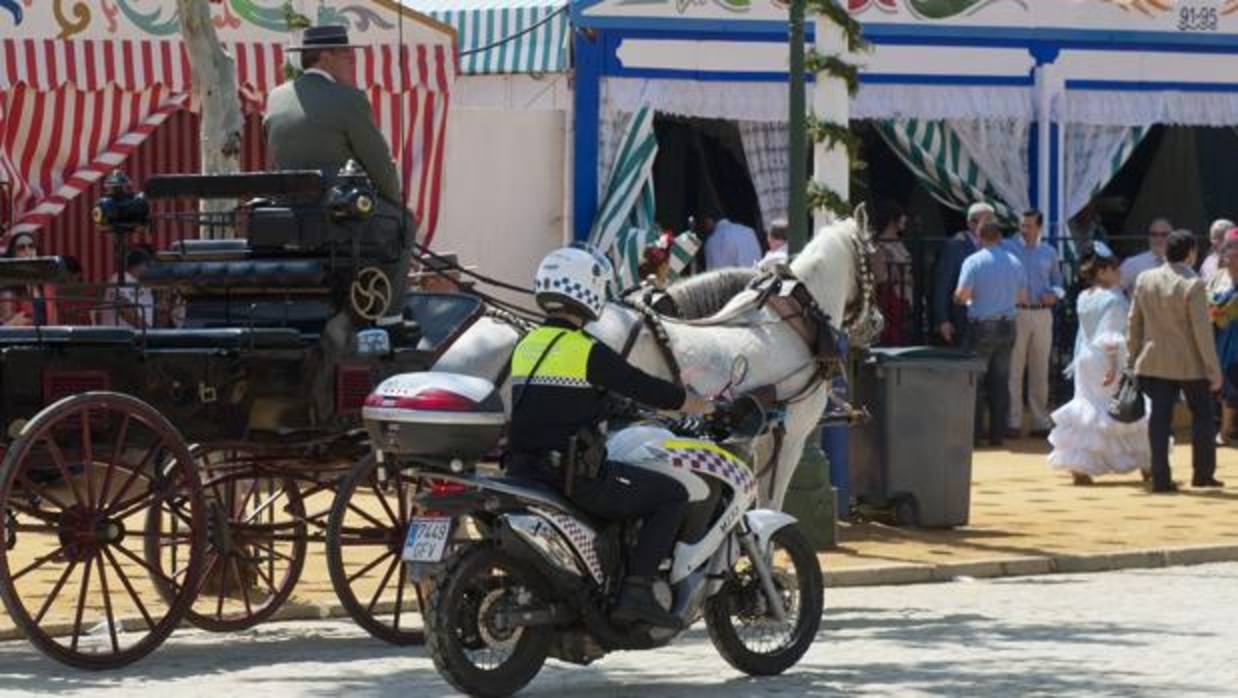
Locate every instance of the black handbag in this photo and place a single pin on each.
(1127, 405)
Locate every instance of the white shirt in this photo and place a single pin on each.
(319, 71)
(731, 245)
(773, 258)
(1134, 266)
(130, 294)
(1210, 266)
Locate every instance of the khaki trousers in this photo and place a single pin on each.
(1033, 340)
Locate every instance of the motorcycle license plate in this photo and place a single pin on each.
(427, 538)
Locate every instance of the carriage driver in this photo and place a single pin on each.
(560, 376)
(321, 120)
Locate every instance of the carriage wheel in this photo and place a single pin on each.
(256, 543)
(76, 487)
(365, 539)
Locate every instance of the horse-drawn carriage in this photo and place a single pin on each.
(152, 476)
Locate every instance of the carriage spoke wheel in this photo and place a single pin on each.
(365, 538)
(76, 486)
(256, 542)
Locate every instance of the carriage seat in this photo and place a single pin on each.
(205, 250)
(274, 274)
(60, 334)
(233, 338)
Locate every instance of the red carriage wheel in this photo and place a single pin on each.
(76, 486)
(256, 542)
(365, 539)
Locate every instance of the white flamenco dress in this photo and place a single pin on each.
(1085, 438)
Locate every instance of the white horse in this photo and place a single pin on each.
(832, 267)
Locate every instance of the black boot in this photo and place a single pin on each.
(638, 605)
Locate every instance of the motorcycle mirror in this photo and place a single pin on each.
(747, 418)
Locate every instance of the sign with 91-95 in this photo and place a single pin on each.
(1202, 16)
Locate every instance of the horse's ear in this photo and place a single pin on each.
(861, 216)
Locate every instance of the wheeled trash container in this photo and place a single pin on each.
(913, 458)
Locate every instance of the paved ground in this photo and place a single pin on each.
(1024, 519)
(1167, 632)
(1020, 508)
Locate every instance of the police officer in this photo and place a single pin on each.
(560, 377)
(320, 121)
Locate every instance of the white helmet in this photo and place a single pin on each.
(575, 279)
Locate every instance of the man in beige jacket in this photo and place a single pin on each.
(1172, 347)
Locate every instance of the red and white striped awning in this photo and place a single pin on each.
(71, 111)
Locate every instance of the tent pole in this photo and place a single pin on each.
(797, 200)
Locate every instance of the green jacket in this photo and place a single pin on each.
(314, 123)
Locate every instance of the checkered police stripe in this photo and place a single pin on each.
(700, 460)
(582, 538)
(555, 381)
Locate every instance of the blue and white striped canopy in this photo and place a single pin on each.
(505, 36)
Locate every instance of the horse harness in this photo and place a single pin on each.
(791, 301)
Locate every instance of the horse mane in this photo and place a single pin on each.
(826, 264)
(703, 295)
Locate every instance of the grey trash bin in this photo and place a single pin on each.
(914, 456)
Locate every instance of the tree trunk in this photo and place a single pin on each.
(215, 91)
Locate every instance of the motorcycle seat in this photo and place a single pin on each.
(537, 492)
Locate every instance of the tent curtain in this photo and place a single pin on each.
(999, 147)
(1092, 156)
(624, 225)
(936, 154)
(765, 148)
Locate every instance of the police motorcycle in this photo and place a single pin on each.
(517, 574)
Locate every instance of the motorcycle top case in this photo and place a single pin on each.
(435, 415)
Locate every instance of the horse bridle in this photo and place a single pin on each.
(797, 307)
(862, 320)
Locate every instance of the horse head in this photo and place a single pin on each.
(836, 266)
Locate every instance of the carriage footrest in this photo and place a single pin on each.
(58, 334)
(204, 250)
(275, 274)
(224, 338)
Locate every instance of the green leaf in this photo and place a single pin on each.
(942, 9)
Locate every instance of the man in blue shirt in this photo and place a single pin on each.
(992, 283)
(950, 320)
(1033, 333)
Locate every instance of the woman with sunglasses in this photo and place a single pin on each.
(22, 306)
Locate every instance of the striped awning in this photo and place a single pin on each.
(71, 111)
(942, 165)
(505, 36)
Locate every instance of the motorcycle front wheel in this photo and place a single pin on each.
(473, 645)
(740, 622)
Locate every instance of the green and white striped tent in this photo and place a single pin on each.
(625, 224)
(940, 162)
(505, 36)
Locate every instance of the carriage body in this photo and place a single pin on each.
(213, 448)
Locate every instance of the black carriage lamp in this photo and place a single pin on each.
(119, 210)
(352, 196)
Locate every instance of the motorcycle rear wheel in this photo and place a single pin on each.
(463, 633)
(738, 619)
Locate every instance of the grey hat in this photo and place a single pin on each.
(327, 36)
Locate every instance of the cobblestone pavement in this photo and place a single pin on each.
(1165, 632)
